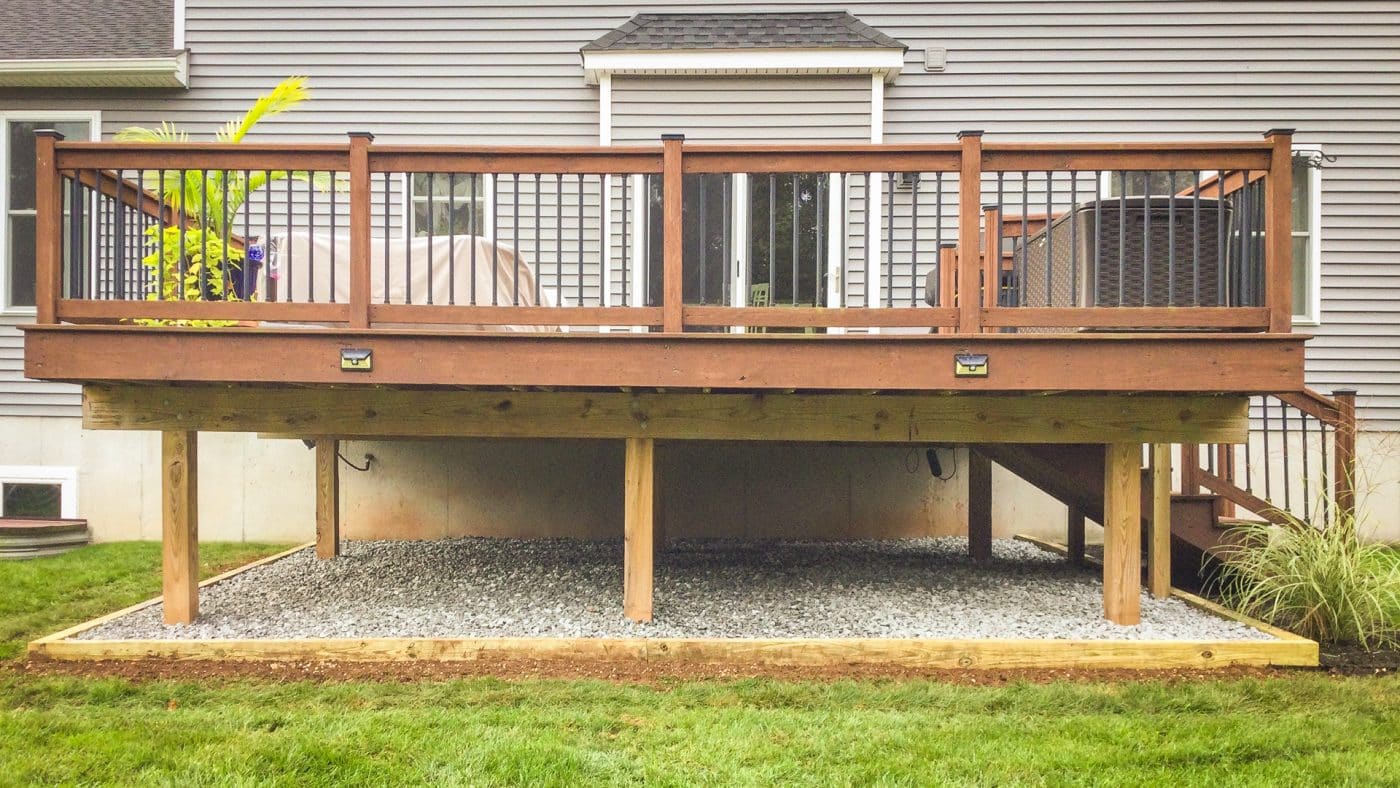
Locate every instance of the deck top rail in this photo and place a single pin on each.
(965, 237)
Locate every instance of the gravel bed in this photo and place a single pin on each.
(494, 587)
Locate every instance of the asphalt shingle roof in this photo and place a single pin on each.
(83, 29)
(802, 29)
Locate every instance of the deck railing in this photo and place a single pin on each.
(1298, 466)
(963, 237)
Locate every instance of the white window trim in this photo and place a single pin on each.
(883, 63)
(66, 477)
(1312, 316)
(94, 119)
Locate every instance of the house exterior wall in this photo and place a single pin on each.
(457, 71)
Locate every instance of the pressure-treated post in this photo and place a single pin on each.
(672, 231)
(327, 498)
(180, 526)
(359, 229)
(970, 265)
(637, 551)
(1159, 546)
(979, 506)
(1278, 232)
(1122, 532)
(1344, 434)
(48, 228)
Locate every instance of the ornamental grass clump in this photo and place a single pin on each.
(1322, 583)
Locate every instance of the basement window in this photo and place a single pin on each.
(38, 493)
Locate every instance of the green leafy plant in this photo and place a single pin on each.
(1323, 583)
(195, 263)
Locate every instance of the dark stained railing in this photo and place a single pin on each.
(961, 237)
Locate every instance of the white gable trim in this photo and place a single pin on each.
(886, 63)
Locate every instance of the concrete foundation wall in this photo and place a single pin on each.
(261, 490)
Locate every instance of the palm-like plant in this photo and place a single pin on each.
(209, 201)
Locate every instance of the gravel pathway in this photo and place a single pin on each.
(493, 587)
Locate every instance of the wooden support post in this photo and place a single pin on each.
(1278, 232)
(48, 228)
(1344, 435)
(1075, 538)
(969, 233)
(639, 489)
(1159, 547)
(1190, 468)
(360, 217)
(1122, 532)
(979, 506)
(180, 526)
(672, 186)
(327, 498)
(1225, 469)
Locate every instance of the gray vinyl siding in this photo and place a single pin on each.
(458, 71)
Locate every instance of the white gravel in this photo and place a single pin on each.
(493, 587)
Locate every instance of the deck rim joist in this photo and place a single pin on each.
(1087, 362)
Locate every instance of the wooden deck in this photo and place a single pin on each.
(1167, 359)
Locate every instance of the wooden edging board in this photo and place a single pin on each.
(1200, 603)
(1287, 650)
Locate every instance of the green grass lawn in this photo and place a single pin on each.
(1302, 728)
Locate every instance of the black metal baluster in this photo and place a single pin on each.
(938, 230)
(819, 275)
(475, 233)
(1171, 242)
(580, 239)
(118, 239)
(704, 237)
(1022, 286)
(311, 237)
(411, 224)
(431, 218)
(1287, 492)
(913, 240)
(1146, 238)
(1098, 236)
(889, 239)
(796, 216)
(538, 272)
(334, 243)
(1268, 481)
(1122, 232)
(387, 211)
(559, 238)
(1196, 238)
(1307, 493)
(1073, 237)
(1049, 238)
(625, 179)
(515, 239)
(1221, 267)
(246, 269)
(772, 229)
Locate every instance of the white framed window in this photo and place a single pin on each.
(17, 210)
(450, 204)
(1307, 234)
(38, 492)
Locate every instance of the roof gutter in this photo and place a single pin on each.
(885, 62)
(137, 72)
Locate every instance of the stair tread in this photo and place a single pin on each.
(1235, 522)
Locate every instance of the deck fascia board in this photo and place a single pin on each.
(1089, 362)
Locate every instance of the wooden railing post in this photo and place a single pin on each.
(359, 228)
(970, 265)
(1278, 232)
(1344, 486)
(1190, 469)
(48, 228)
(671, 185)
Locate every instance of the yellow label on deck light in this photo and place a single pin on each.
(970, 365)
(356, 359)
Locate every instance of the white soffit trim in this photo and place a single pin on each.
(146, 72)
(886, 63)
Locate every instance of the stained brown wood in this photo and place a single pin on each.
(203, 156)
(1190, 468)
(327, 497)
(845, 158)
(91, 310)
(1235, 494)
(969, 232)
(1278, 233)
(1134, 317)
(180, 525)
(615, 160)
(1060, 157)
(1225, 469)
(360, 218)
(1075, 534)
(672, 318)
(979, 506)
(48, 229)
(1122, 532)
(1344, 486)
(802, 317)
(846, 418)
(1159, 548)
(1313, 404)
(922, 362)
(445, 315)
(638, 550)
